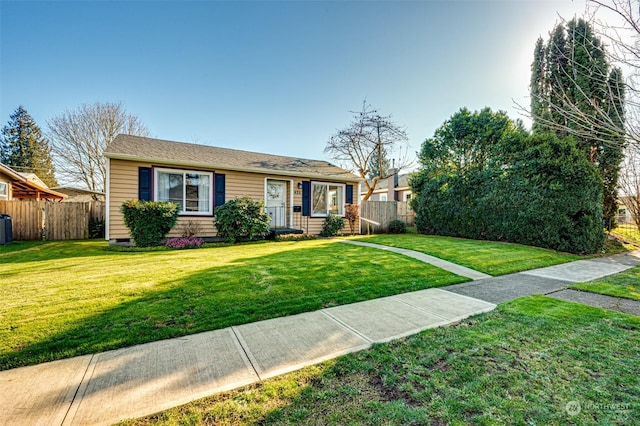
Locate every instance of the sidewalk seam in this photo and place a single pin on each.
(348, 327)
(76, 394)
(420, 308)
(252, 361)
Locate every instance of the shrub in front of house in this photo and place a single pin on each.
(296, 237)
(242, 219)
(352, 215)
(149, 221)
(397, 227)
(332, 226)
(184, 242)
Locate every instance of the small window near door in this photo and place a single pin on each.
(4, 191)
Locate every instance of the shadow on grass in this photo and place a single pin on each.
(520, 364)
(247, 290)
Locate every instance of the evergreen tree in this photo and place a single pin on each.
(612, 154)
(573, 92)
(558, 80)
(25, 149)
(539, 106)
(379, 164)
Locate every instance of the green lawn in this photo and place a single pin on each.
(520, 364)
(62, 299)
(490, 257)
(624, 284)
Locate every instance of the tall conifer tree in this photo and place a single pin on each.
(25, 149)
(574, 92)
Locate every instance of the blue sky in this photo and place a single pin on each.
(266, 76)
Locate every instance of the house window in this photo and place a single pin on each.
(383, 197)
(327, 198)
(191, 190)
(4, 191)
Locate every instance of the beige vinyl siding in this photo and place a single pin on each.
(123, 185)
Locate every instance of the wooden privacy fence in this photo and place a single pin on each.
(384, 212)
(38, 220)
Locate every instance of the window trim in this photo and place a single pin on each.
(184, 172)
(327, 184)
(5, 196)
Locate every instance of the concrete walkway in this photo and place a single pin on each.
(108, 387)
(435, 261)
(553, 281)
(104, 388)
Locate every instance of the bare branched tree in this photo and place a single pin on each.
(621, 33)
(79, 138)
(630, 184)
(365, 142)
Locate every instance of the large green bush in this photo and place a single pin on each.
(149, 221)
(536, 190)
(241, 219)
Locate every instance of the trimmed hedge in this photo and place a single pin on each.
(149, 221)
(546, 194)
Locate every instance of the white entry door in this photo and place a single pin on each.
(276, 203)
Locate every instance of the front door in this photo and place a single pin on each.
(276, 203)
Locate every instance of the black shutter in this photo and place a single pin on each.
(144, 184)
(219, 187)
(349, 195)
(306, 198)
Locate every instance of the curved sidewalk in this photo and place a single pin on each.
(435, 261)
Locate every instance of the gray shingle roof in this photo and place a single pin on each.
(127, 147)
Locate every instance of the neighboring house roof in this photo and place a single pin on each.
(34, 178)
(21, 187)
(136, 148)
(403, 184)
(79, 193)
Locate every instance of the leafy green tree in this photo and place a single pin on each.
(25, 149)
(467, 141)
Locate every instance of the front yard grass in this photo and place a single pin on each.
(490, 257)
(523, 363)
(62, 299)
(624, 284)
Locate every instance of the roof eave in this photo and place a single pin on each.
(117, 156)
